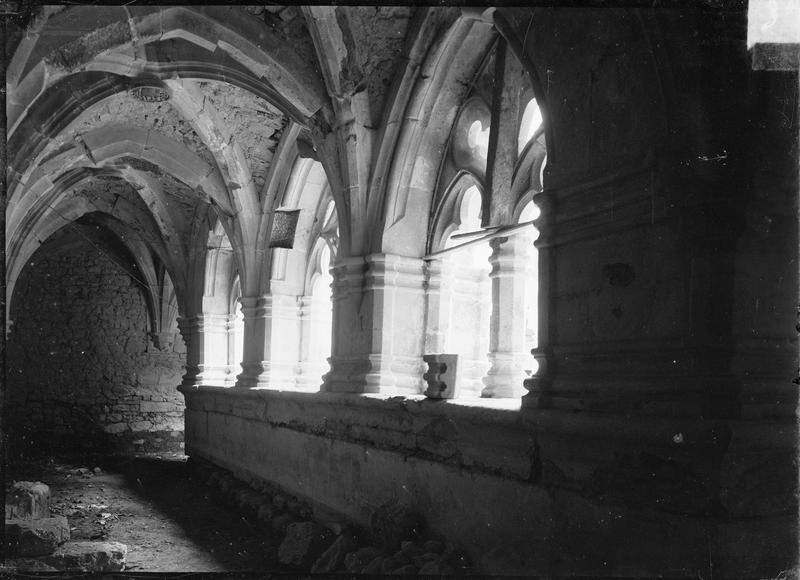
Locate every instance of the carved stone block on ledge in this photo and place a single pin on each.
(442, 376)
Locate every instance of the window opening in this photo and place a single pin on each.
(530, 125)
(530, 213)
(235, 334)
(467, 297)
(317, 314)
(322, 311)
(478, 140)
(470, 142)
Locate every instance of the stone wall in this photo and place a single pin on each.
(82, 372)
(522, 493)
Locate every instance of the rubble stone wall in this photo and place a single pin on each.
(82, 371)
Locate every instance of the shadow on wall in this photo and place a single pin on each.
(82, 374)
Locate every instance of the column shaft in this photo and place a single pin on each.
(508, 353)
(378, 325)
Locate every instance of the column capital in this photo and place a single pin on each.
(510, 256)
(202, 323)
(392, 271)
(395, 262)
(348, 272)
(255, 306)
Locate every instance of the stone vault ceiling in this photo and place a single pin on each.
(174, 119)
(257, 125)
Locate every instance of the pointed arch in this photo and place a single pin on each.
(440, 90)
(447, 217)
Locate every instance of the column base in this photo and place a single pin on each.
(312, 376)
(472, 373)
(506, 375)
(249, 378)
(385, 374)
(395, 375)
(347, 375)
(205, 376)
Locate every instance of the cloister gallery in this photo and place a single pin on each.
(530, 272)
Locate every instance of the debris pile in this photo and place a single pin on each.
(395, 543)
(38, 541)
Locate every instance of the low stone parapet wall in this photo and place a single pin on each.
(544, 493)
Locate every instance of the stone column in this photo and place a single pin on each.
(378, 319)
(313, 325)
(284, 320)
(539, 382)
(234, 358)
(508, 355)
(395, 286)
(439, 276)
(470, 309)
(255, 310)
(350, 323)
(635, 310)
(206, 337)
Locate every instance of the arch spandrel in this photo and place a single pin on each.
(439, 91)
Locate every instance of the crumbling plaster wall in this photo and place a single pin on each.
(82, 372)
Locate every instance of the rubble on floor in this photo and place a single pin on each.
(27, 500)
(86, 556)
(36, 537)
(37, 541)
(396, 543)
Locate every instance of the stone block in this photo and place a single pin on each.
(443, 376)
(392, 523)
(25, 565)
(333, 558)
(157, 407)
(38, 537)
(389, 564)
(141, 426)
(279, 501)
(426, 558)
(410, 549)
(433, 546)
(227, 485)
(435, 568)
(249, 499)
(266, 512)
(304, 543)
(114, 428)
(87, 556)
(28, 500)
(281, 522)
(294, 505)
(355, 562)
(374, 567)
(401, 557)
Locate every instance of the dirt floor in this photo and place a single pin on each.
(159, 508)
